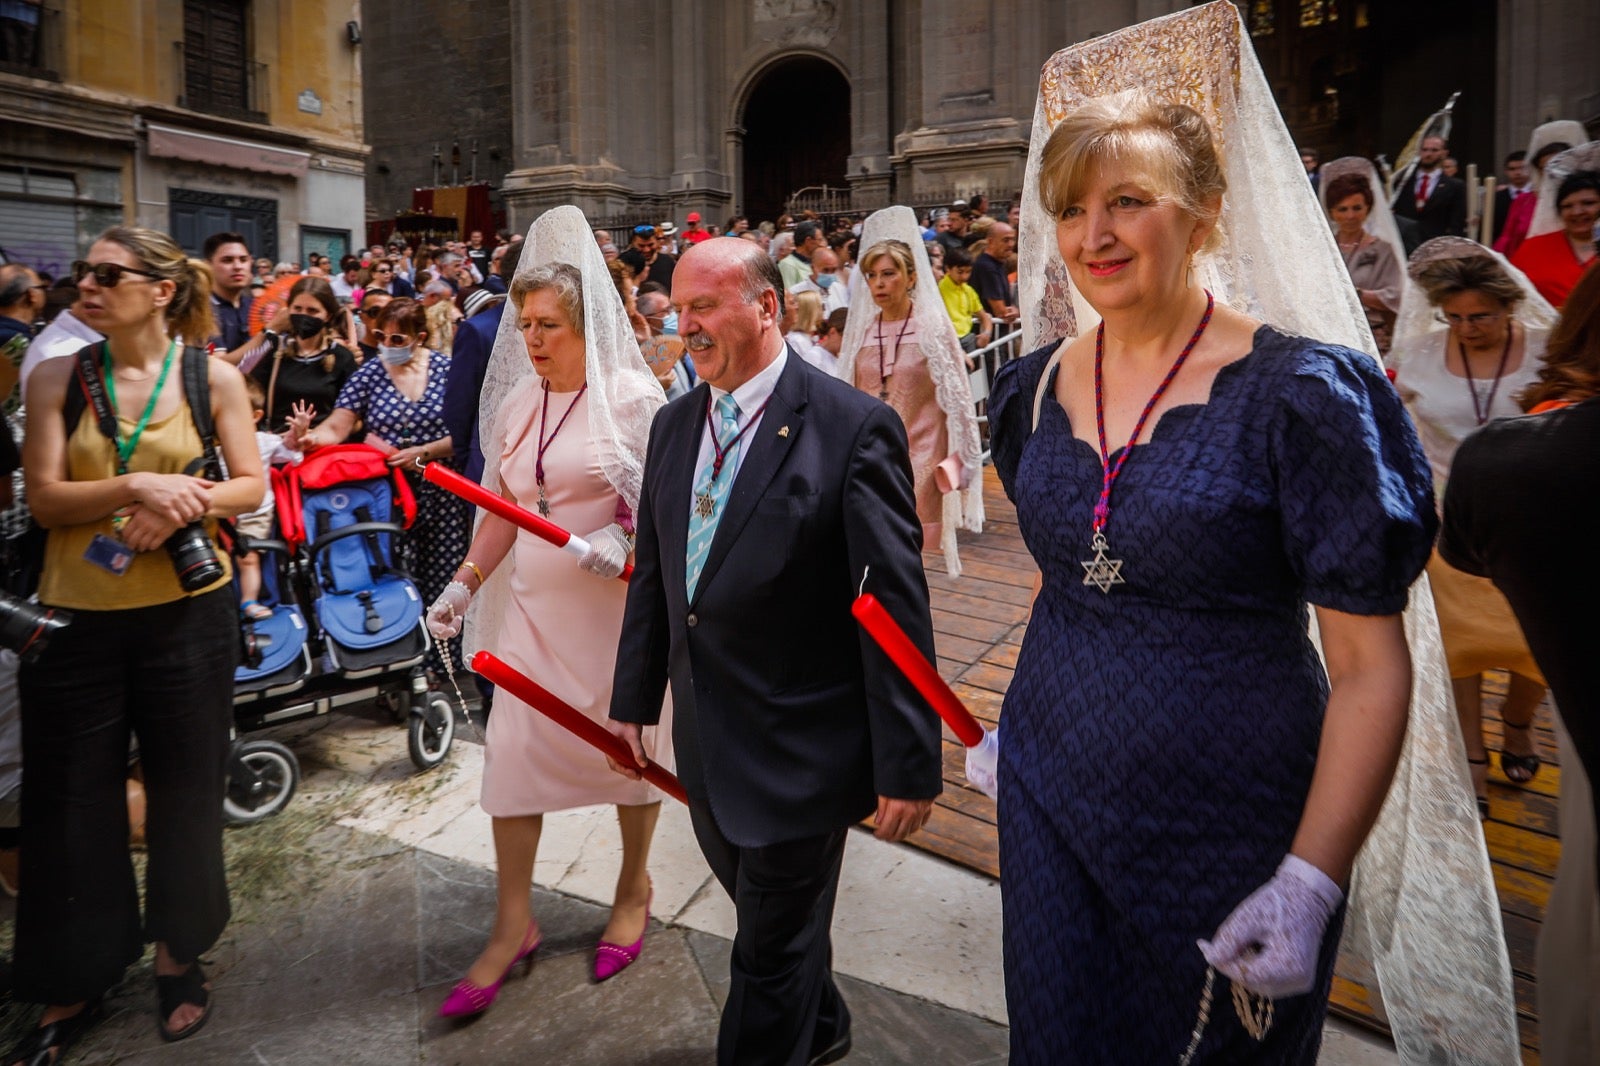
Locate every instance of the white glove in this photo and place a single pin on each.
(608, 551)
(1270, 943)
(983, 764)
(449, 610)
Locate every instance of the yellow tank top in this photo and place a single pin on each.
(69, 580)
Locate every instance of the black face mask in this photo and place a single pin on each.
(307, 326)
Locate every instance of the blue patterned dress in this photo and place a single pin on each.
(1158, 741)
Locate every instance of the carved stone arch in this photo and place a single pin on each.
(771, 154)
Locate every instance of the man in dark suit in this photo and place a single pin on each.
(789, 725)
(1436, 201)
(1518, 183)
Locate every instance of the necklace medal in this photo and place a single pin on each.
(544, 502)
(1102, 571)
(545, 442)
(704, 505)
(886, 366)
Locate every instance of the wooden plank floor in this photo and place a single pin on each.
(978, 622)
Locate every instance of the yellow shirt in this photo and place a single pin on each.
(961, 303)
(69, 580)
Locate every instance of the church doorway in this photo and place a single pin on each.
(796, 133)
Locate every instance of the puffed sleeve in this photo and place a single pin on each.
(1354, 488)
(1011, 412)
(357, 389)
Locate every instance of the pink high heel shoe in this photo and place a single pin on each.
(611, 959)
(467, 999)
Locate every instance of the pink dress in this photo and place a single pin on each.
(910, 392)
(561, 628)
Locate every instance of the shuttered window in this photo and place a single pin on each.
(216, 55)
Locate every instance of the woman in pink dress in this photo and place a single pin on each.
(566, 440)
(900, 346)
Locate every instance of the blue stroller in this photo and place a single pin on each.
(346, 624)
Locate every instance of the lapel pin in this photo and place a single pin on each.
(783, 432)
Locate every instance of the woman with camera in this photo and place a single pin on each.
(150, 652)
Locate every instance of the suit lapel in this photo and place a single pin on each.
(780, 425)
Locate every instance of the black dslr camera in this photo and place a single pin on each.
(26, 628)
(194, 557)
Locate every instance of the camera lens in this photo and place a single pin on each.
(194, 557)
(26, 627)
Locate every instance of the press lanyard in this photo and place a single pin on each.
(125, 447)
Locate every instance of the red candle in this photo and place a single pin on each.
(571, 719)
(476, 494)
(918, 670)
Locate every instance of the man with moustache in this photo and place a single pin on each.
(772, 492)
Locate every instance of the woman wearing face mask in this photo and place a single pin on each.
(400, 398)
(310, 363)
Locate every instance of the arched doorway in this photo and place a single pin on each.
(796, 133)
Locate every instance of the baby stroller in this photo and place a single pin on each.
(346, 624)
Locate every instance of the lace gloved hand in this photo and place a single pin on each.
(983, 764)
(449, 611)
(608, 551)
(1270, 943)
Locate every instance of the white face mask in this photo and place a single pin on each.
(395, 356)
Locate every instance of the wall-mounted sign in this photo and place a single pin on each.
(310, 103)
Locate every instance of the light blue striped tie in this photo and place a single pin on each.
(703, 526)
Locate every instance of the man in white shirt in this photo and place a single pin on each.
(824, 281)
(344, 283)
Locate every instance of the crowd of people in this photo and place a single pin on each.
(766, 420)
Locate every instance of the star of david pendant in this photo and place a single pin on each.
(883, 394)
(704, 505)
(544, 503)
(1101, 572)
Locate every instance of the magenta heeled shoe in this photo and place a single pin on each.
(611, 959)
(467, 999)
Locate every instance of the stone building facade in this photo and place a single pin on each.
(642, 110)
(189, 116)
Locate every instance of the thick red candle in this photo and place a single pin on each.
(918, 670)
(571, 719)
(477, 495)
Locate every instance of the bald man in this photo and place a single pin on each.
(771, 491)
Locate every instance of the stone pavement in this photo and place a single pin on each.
(359, 906)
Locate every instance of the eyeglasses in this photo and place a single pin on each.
(393, 340)
(1485, 318)
(383, 270)
(643, 231)
(368, 312)
(106, 275)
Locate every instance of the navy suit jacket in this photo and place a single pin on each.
(788, 722)
(1445, 213)
(469, 362)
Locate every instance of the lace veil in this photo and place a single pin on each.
(946, 363)
(623, 394)
(1423, 927)
(1419, 326)
(1380, 220)
(1558, 168)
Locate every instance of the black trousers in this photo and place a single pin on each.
(165, 675)
(783, 1008)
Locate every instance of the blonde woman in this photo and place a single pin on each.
(147, 654)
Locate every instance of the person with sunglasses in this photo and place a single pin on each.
(1461, 357)
(311, 362)
(646, 259)
(400, 398)
(386, 278)
(144, 656)
(373, 301)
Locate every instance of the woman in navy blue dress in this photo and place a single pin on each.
(1176, 765)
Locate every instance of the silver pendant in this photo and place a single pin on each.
(544, 503)
(704, 505)
(1100, 571)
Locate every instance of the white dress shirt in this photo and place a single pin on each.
(749, 396)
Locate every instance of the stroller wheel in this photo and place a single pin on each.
(262, 775)
(430, 732)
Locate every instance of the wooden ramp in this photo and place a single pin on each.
(978, 622)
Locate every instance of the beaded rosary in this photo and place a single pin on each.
(1255, 1014)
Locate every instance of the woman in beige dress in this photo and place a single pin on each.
(1455, 375)
(567, 441)
(900, 346)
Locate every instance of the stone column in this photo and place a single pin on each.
(699, 106)
(867, 34)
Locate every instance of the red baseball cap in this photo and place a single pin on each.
(694, 216)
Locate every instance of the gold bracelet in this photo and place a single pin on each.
(468, 564)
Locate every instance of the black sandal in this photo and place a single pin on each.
(1483, 797)
(48, 1043)
(173, 992)
(1519, 769)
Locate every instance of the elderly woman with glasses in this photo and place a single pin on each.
(386, 278)
(1457, 368)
